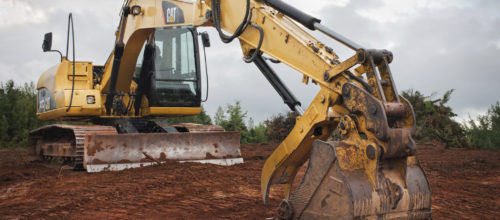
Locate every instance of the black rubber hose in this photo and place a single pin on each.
(216, 17)
(118, 53)
(251, 58)
(365, 84)
(70, 21)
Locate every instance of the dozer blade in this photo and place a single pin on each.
(123, 151)
(330, 191)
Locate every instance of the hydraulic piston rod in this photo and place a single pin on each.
(344, 40)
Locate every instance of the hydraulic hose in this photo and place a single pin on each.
(251, 58)
(216, 16)
(70, 22)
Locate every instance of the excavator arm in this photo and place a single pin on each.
(371, 170)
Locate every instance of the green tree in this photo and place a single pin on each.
(17, 113)
(232, 118)
(484, 132)
(434, 119)
(219, 116)
(236, 118)
(257, 134)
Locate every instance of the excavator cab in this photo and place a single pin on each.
(174, 78)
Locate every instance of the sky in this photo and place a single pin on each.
(438, 45)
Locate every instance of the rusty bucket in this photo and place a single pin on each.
(330, 191)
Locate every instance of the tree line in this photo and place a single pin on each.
(17, 113)
(434, 120)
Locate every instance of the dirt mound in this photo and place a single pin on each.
(465, 184)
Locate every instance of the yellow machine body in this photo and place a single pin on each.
(55, 91)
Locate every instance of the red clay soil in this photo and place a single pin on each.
(465, 184)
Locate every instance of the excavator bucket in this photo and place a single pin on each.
(123, 151)
(333, 189)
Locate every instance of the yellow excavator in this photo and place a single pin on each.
(369, 171)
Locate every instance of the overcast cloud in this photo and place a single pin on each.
(437, 44)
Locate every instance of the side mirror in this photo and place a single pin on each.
(47, 42)
(205, 39)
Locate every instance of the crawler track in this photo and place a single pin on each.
(64, 141)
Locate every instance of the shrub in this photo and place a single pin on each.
(17, 113)
(434, 119)
(256, 134)
(484, 132)
(278, 127)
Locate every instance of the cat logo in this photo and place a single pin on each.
(172, 14)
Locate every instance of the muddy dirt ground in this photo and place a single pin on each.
(465, 185)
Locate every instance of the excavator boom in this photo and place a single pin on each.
(371, 171)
